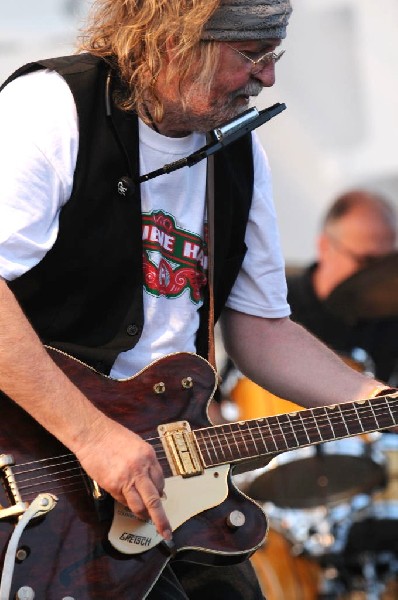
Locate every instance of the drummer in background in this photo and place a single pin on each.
(359, 228)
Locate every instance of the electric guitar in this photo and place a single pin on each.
(62, 537)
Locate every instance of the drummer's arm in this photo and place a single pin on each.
(284, 358)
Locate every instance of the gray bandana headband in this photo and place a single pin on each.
(237, 20)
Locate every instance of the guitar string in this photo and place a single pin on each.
(290, 431)
(62, 487)
(203, 441)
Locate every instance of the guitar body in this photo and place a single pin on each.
(66, 553)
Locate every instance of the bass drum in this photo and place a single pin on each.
(282, 575)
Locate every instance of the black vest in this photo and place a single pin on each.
(85, 295)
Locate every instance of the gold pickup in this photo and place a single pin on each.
(181, 450)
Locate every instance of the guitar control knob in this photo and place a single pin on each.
(25, 593)
(159, 388)
(236, 519)
(187, 383)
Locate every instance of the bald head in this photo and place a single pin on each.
(359, 227)
(361, 201)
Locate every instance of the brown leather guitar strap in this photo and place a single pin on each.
(210, 255)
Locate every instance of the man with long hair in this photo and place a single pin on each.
(111, 268)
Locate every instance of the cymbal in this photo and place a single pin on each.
(316, 481)
(371, 293)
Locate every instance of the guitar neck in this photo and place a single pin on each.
(245, 441)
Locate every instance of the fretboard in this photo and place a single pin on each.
(247, 440)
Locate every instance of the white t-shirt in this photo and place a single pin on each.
(38, 149)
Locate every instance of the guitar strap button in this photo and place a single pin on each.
(236, 519)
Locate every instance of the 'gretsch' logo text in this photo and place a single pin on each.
(138, 540)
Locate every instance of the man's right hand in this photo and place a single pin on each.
(124, 465)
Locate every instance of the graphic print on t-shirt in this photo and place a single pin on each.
(174, 259)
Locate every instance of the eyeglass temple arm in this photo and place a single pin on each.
(220, 137)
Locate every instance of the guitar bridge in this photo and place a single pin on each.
(181, 450)
(18, 507)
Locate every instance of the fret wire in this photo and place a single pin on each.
(343, 418)
(244, 441)
(374, 415)
(277, 437)
(326, 411)
(380, 403)
(316, 426)
(260, 436)
(213, 439)
(252, 437)
(389, 408)
(292, 429)
(259, 439)
(200, 431)
(220, 443)
(357, 412)
(348, 417)
(232, 426)
(211, 447)
(288, 439)
(228, 444)
(277, 418)
(353, 412)
(237, 430)
(225, 445)
(327, 422)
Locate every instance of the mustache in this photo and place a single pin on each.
(251, 89)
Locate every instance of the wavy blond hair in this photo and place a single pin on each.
(136, 33)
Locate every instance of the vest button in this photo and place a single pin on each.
(132, 329)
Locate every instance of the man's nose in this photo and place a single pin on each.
(267, 75)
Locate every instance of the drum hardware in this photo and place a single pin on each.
(319, 533)
(322, 475)
(331, 586)
(316, 526)
(369, 565)
(369, 578)
(313, 497)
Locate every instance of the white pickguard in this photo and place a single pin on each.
(183, 499)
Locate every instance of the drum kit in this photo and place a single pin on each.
(333, 514)
(332, 508)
